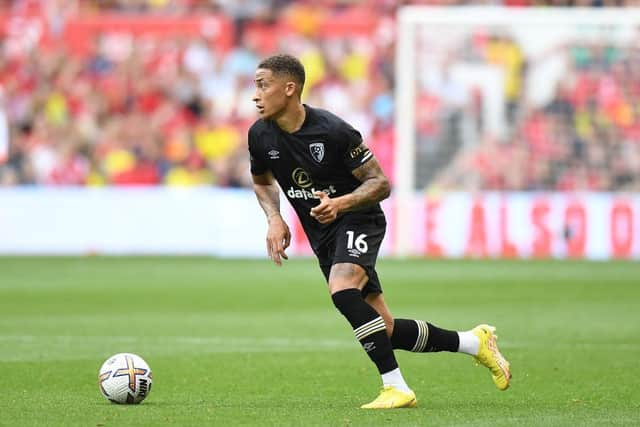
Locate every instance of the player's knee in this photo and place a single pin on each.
(337, 286)
(346, 276)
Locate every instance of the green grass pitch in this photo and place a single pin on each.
(241, 342)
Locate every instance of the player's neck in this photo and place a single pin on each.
(292, 119)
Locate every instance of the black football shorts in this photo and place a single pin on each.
(356, 239)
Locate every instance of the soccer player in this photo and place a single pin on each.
(335, 184)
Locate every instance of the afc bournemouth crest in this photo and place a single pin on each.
(317, 151)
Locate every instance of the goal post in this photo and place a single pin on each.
(405, 124)
(429, 38)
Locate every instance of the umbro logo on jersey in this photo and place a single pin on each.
(317, 151)
(274, 154)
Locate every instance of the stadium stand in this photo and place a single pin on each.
(585, 137)
(158, 92)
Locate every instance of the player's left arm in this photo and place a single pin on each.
(374, 188)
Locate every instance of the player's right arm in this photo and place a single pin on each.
(278, 234)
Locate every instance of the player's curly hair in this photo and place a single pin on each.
(285, 64)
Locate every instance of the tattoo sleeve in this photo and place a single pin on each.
(268, 194)
(375, 186)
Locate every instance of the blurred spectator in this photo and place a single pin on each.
(149, 108)
(584, 138)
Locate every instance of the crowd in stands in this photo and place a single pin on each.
(586, 137)
(175, 110)
(270, 8)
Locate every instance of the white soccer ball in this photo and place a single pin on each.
(125, 378)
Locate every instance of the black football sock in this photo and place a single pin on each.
(421, 337)
(368, 326)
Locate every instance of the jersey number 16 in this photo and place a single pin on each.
(359, 242)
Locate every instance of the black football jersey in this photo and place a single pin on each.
(318, 157)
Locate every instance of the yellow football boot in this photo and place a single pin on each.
(490, 356)
(390, 398)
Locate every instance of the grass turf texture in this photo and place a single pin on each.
(235, 342)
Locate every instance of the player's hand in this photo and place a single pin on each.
(278, 239)
(328, 209)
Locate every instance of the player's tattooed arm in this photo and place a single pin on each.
(374, 187)
(278, 234)
(267, 193)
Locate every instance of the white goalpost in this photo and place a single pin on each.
(434, 47)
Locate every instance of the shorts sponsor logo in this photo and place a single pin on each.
(354, 253)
